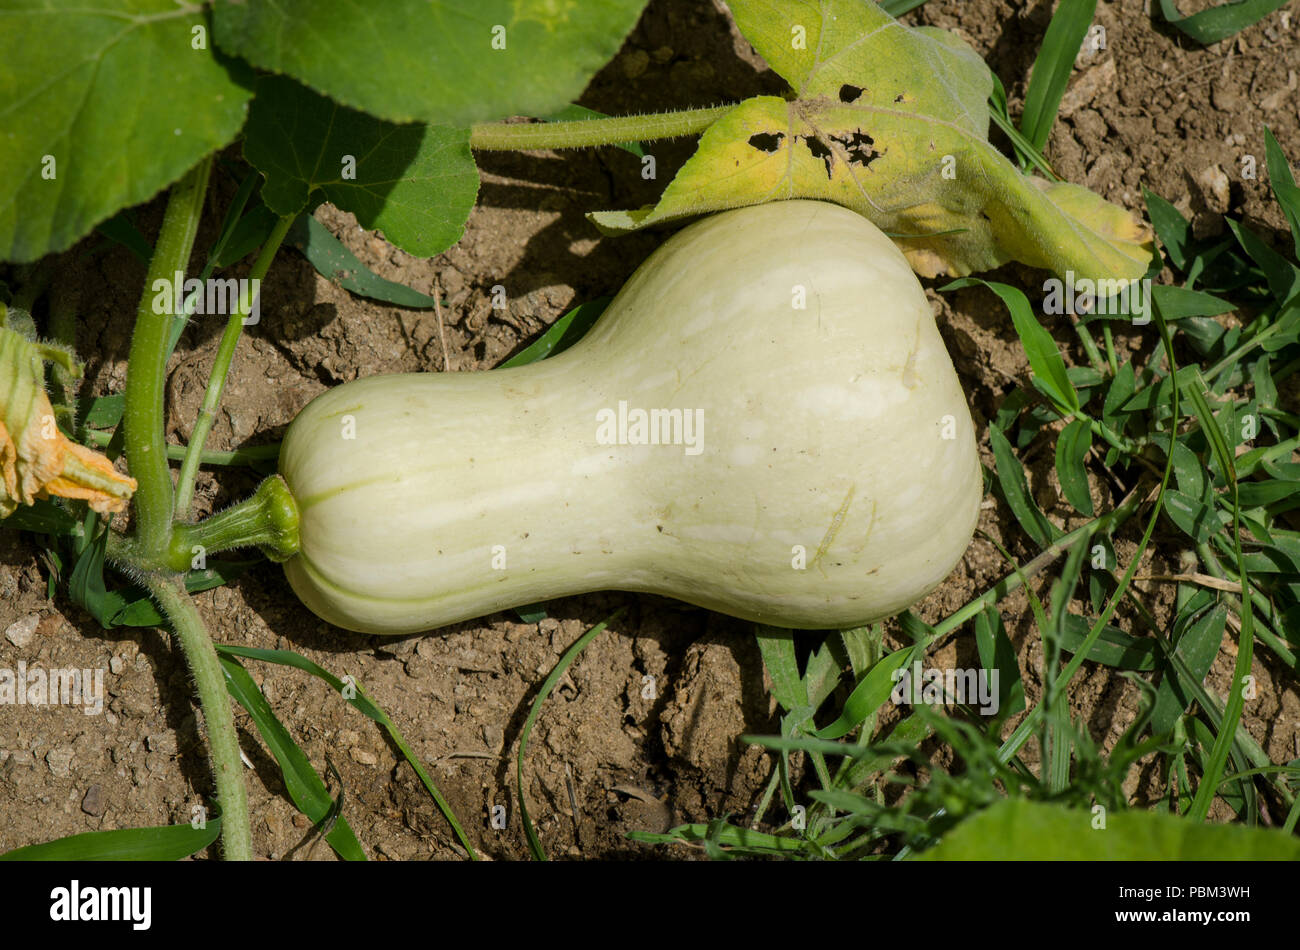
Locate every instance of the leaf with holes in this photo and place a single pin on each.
(893, 123)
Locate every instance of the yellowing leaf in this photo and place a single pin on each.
(36, 459)
(893, 123)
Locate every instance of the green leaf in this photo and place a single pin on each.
(727, 836)
(432, 60)
(1053, 67)
(531, 613)
(1113, 648)
(166, 843)
(304, 786)
(120, 229)
(1217, 23)
(561, 334)
(1283, 277)
(44, 517)
(1032, 831)
(777, 648)
(353, 694)
(1121, 388)
(1197, 519)
(1258, 494)
(1011, 479)
(565, 661)
(117, 97)
(1175, 303)
(86, 585)
(1173, 230)
(1071, 448)
(106, 411)
(416, 182)
(868, 696)
(998, 653)
(1044, 356)
(1284, 186)
(1197, 648)
(892, 123)
(1281, 556)
(336, 263)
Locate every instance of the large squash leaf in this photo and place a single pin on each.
(1033, 831)
(102, 105)
(450, 62)
(893, 123)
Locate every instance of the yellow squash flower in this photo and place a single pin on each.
(36, 459)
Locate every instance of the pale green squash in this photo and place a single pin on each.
(834, 479)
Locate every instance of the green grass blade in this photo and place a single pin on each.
(728, 836)
(1052, 68)
(166, 843)
(1072, 447)
(1044, 357)
(561, 334)
(1284, 186)
(868, 696)
(304, 786)
(1015, 490)
(1223, 740)
(571, 654)
(367, 707)
(1217, 23)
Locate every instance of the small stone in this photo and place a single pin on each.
(635, 63)
(363, 757)
(348, 737)
(116, 665)
(301, 821)
(274, 824)
(1213, 182)
(20, 632)
(1098, 80)
(1225, 99)
(92, 803)
(163, 742)
(60, 761)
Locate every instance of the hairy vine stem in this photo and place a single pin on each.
(144, 554)
(209, 681)
(221, 371)
(142, 419)
(586, 133)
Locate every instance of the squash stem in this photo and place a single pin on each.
(142, 418)
(145, 443)
(586, 133)
(221, 370)
(268, 520)
(223, 743)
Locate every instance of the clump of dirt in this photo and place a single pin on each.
(643, 732)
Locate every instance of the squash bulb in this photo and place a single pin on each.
(764, 422)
